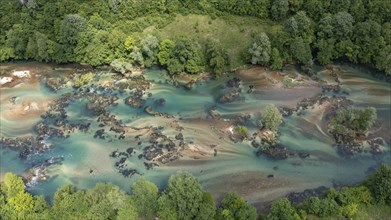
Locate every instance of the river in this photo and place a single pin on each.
(222, 165)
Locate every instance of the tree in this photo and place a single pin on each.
(340, 5)
(19, 203)
(167, 209)
(383, 60)
(301, 50)
(234, 207)
(276, 60)
(207, 209)
(119, 65)
(69, 203)
(149, 48)
(137, 56)
(342, 24)
(70, 27)
(260, 49)
(184, 192)
(349, 120)
(165, 50)
(367, 36)
(380, 185)
(13, 185)
(127, 211)
(271, 117)
(145, 196)
(283, 210)
(216, 56)
(186, 56)
(279, 9)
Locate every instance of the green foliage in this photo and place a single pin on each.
(149, 49)
(145, 196)
(283, 210)
(276, 60)
(349, 121)
(13, 185)
(242, 131)
(260, 49)
(234, 207)
(216, 56)
(99, 32)
(271, 117)
(279, 9)
(207, 209)
(301, 50)
(186, 56)
(380, 185)
(165, 50)
(185, 193)
(83, 79)
(121, 66)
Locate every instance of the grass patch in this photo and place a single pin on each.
(234, 32)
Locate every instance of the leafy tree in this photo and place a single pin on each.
(314, 8)
(121, 66)
(367, 36)
(339, 5)
(326, 51)
(129, 43)
(167, 209)
(276, 60)
(149, 47)
(69, 30)
(17, 39)
(383, 59)
(69, 203)
(301, 50)
(380, 185)
(137, 56)
(271, 117)
(165, 50)
(348, 120)
(342, 24)
(104, 201)
(186, 56)
(13, 185)
(260, 49)
(145, 196)
(184, 192)
(282, 209)
(279, 9)
(235, 207)
(207, 209)
(127, 211)
(216, 56)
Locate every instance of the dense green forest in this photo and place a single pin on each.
(184, 199)
(138, 32)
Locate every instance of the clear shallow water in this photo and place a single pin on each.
(235, 168)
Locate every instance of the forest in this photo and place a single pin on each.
(184, 199)
(280, 32)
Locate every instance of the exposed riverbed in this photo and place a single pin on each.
(99, 137)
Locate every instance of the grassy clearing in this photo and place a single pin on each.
(234, 32)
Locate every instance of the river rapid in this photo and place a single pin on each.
(196, 125)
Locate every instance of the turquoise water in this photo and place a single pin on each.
(235, 168)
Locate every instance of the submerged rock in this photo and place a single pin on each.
(228, 97)
(135, 102)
